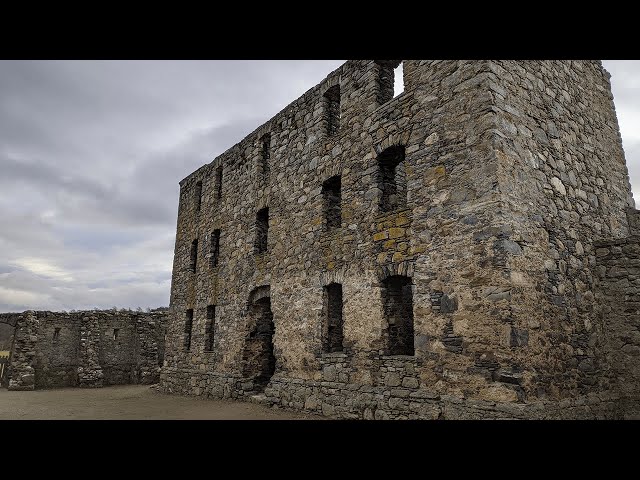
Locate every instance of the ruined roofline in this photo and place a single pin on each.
(277, 116)
(314, 91)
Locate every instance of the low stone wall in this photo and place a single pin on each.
(353, 401)
(86, 349)
(207, 384)
(395, 392)
(619, 304)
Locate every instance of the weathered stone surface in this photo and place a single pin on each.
(21, 372)
(558, 185)
(618, 307)
(470, 205)
(59, 349)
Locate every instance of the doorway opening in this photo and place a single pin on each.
(259, 361)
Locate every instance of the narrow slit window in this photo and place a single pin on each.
(332, 199)
(188, 325)
(265, 153)
(397, 299)
(262, 230)
(398, 80)
(333, 331)
(198, 196)
(392, 179)
(219, 182)
(215, 247)
(194, 255)
(387, 71)
(266, 146)
(332, 109)
(116, 333)
(56, 333)
(210, 328)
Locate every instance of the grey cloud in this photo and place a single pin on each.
(133, 200)
(40, 175)
(632, 154)
(625, 84)
(91, 153)
(5, 269)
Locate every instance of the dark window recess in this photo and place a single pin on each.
(392, 179)
(333, 332)
(262, 230)
(198, 195)
(56, 333)
(259, 361)
(265, 140)
(265, 154)
(386, 77)
(332, 199)
(397, 298)
(188, 325)
(194, 255)
(116, 333)
(219, 182)
(332, 109)
(215, 247)
(209, 329)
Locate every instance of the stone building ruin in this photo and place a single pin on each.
(91, 348)
(465, 249)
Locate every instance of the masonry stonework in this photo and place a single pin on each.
(59, 349)
(466, 249)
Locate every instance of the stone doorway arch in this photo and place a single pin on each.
(258, 359)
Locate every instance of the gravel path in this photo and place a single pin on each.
(130, 402)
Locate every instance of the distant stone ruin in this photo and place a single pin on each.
(84, 349)
(465, 249)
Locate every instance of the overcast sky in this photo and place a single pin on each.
(91, 153)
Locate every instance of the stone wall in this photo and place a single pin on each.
(469, 205)
(340, 399)
(619, 301)
(23, 355)
(60, 349)
(633, 216)
(564, 183)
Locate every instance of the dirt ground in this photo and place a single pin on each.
(130, 402)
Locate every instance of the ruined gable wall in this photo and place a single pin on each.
(443, 239)
(512, 170)
(565, 183)
(60, 349)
